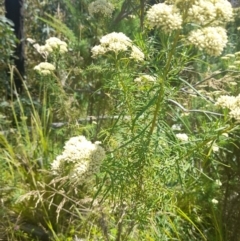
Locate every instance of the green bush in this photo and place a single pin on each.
(160, 98)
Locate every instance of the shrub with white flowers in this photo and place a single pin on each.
(206, 16)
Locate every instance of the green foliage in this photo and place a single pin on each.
(60, 27)
(8, 40)
(172, 165)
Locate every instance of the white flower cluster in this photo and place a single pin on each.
(117, 42)
(101, 6)
(176, 127)
(136, 54)
(214, 146)
(52, 44)
(80, 160)
(211, 39)
(226, 101)
(214, 201)
(166, 17)
(224, 10)
(44, 68)
(182, 137)
(232, 103)
(145, 78)
(203, 12)
(218, 183)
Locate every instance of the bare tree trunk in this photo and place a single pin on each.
(14, 12)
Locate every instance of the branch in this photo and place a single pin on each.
(200, 111)
(212, 76)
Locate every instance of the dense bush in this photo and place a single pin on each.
(129, 124)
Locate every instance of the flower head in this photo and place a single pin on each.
(164, 16)
(144, 78)
(117, 42)
(101, 6)
(224, 11)
(52, 44)
(176, 127)
(98, 50)
(226, 101)
(218, 182)
(203, 12)
(235, 113)
(232, 103)
(56, 44)
(115, 38)
(137, 54)
(80, 160)
(182, 137)
(215, 148)
(44, 68)
(211, 39)
(214, 201)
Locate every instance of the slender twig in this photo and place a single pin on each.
(212, 76)
(194, 110)
(124, 12)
